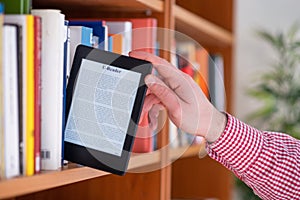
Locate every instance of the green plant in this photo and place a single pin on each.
(278, 90)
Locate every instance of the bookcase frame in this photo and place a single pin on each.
(178, 180)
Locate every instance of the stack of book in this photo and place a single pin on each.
(207, 69)
(36, 55)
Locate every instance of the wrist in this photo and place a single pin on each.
(217, 126)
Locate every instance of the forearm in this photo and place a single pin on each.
(266, 161)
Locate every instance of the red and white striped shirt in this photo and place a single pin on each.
(268, 162)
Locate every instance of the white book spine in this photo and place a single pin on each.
(22, 21)
(52, 86)
(11, 125)
(124, 28)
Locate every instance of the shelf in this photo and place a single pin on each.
(72, 173)
(117, 5)
(185, 152)
(200, 29)
(26, 185)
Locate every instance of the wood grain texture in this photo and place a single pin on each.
(200, 178)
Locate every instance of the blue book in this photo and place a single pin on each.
(66, 67)
(79, 35)
(97, 27)
(110, 43)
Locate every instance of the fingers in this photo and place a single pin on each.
(168, 72)
(153, 114)
(150, 100)
(155, 60)
(166, 95)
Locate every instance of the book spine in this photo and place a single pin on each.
(30, 97)
(1, 99)
(65, 78)
(52, 87)
(10, 77)
(37, 93)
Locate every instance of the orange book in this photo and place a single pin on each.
(117, 43)
(201, 78)
(143, 33)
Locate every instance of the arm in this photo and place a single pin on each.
(268, 162)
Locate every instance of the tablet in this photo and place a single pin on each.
(105, 96)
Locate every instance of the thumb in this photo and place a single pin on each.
(166, 95)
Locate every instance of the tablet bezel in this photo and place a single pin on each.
(98, 159)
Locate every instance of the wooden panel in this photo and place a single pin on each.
(200, 29)
(131, 186)
(216, 11)
(26, 185)
(128, 5)
(200, 178)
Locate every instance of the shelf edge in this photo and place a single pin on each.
(156, 5)
(25, 185)
(203, 25)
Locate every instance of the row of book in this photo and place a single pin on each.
(207, 69)
(38, 49)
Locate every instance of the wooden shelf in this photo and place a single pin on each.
(69, 174)
(26, 185)
(72, 173)
(200, 29)
(117, 5)
(185, 152)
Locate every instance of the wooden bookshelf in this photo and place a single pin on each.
(200, 29)
(209, 28)
(120, 5)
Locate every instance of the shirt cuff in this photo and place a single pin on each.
(238, 147)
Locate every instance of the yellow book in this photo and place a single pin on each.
(30, 97)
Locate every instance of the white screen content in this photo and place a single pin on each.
(101, 107)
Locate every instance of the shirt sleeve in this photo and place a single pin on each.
(268, 162)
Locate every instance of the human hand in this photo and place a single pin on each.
(187, 106)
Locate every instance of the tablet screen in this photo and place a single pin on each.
(101, 108)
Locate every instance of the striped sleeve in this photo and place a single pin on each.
(268, 162)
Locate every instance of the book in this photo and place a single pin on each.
(144, 36)
(79, 35)
(30, 96)
(144, 33)
(99, 30)
(10, 93)
(52, 87)
(201, 78)
(125, 29)
(21, 21)
(2, 160)
(117, 43)
(216, 81)
(17, 6)
(37, 93)
(65, 79)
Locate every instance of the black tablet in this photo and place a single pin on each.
(105, 96)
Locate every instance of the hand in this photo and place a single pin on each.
(187, 106)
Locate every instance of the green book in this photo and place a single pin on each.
(16, 6)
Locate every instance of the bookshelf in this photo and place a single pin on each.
(203, 21)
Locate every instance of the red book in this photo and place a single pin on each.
(143, 142)
(144, 37)
(37, 92)
(144, 34)
(202, 58)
